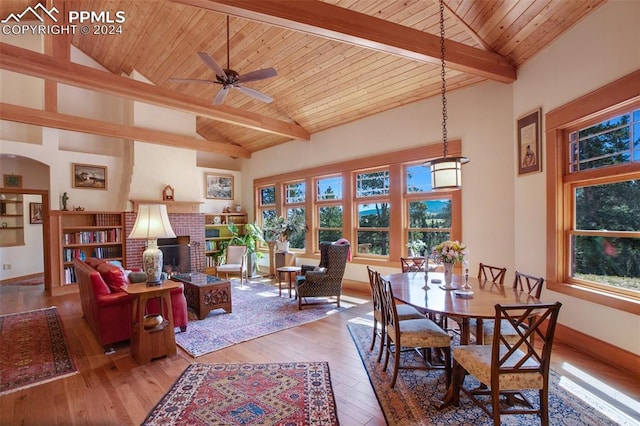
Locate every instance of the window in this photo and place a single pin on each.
(266, 206)
(605, 242)
(430, 221)
(373, 217)
(366, 201)
(593, 248)
(329, 208)
(295, 196)
(295, 193)
(372, 183)
(373, 228)
(329, 188)
(418, 179)
(613, 141)
(604, 247)
(329, 223)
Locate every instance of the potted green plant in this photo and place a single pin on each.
(281, 229)
(251, 237)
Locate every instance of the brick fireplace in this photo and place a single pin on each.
(184, 225)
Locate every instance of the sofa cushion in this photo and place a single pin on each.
(114, 276)
(100, 288)
(94, 262)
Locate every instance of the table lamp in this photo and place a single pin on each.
(152, 223)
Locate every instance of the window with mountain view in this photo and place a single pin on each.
(372, 229)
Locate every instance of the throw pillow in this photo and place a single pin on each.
(113, 276)
(320, 269)
(137, 277)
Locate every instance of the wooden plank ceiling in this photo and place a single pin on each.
(322, 82)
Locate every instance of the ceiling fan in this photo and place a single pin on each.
(231, 79)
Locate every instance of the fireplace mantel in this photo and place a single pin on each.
(172, 206)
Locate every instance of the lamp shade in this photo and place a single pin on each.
(446, 172)
(152, 222)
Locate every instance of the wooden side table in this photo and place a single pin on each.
(158, 341)
(291, 271)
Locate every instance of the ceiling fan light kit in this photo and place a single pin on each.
(446, 172)
(231, 79)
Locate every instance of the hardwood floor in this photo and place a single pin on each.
(114, 390)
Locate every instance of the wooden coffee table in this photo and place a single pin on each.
(205, 293)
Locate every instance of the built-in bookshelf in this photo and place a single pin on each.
(11, 219)
(80, 235)
(217, 234)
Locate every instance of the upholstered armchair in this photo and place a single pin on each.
(324, 245)
(325, 282)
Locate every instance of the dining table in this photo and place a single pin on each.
(429, 295)
(426, 292)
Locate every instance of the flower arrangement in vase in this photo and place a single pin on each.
(448, 253)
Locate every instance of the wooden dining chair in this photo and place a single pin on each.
(527, 284)
(509, 367)
(413, 264)
(494, 274)
(421, 334)
(404, 311)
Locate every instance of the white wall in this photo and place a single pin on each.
(599, 50)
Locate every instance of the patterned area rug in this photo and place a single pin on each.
(257, 311)
(33, 350)
(416, 393)
(249, 394)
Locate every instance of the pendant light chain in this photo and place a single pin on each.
(445, 143)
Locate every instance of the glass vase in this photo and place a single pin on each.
(448, 274)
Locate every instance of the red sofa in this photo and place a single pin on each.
(108, 309)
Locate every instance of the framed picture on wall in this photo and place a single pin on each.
(88, 176)
(12, 181)
(529, 152)
(35, 212)
(219, 187)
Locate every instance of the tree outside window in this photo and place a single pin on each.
(429, 221)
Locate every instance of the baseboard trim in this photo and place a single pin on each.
(20, 278)
(598, 349)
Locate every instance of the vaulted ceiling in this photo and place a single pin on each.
(336, 60)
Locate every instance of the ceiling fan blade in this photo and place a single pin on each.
(189, 80)
(257, 75)
(255, 94)
(212, 64)
(221, 95)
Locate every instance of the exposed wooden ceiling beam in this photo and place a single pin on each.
(73, 123)
(35, 64)
(344, 25)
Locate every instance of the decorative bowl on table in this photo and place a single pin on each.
(151, 321)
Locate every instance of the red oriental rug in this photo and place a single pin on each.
(249, 394)
(33, 350)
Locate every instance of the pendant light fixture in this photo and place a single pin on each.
(446, 172)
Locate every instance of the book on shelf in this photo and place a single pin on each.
(69, 275)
